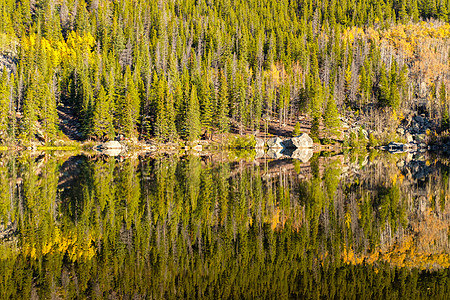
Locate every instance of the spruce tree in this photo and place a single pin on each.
(193, 125)
(331, 118)
(102, 121)
(222, 101)
(161, 131)
(4, 104)
(383, 87)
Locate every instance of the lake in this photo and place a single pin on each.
(348, 226)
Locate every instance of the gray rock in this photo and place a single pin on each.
(111, 145)
(259, 143)
(419, 119)
(275, 142)
(303, 154)
(302, 141)
(409, 138)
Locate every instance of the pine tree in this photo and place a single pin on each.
(160, 111)
(103, 118)
(171, 115)
(48, 115)
(130, 106)
(383, 87)
(331, 117)
(222, 109)
(297, 129)
(29, 112)
(4, 104)
(207, 108)
(394, 96)
(193, 125)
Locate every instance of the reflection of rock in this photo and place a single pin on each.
(197, 148)
(274, 153)
(259, 153)
(259, 143)
(302, 141)
(399, 147)
(288, 144)
(111, 152)
(395, 147)
(303, 154)
(275, 142)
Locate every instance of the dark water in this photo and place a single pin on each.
(355, 226)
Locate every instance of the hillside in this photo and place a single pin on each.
(170, 70)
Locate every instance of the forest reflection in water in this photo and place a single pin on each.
(354, 226)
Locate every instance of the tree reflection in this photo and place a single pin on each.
(193, 228)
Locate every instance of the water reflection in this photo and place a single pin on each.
(348, 226)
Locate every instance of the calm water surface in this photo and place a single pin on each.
(354, 226)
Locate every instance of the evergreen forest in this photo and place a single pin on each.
(190, 69)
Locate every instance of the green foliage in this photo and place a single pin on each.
(331, 118)
(193, 124)
(297, 129)
(103, 116)
(147, 56)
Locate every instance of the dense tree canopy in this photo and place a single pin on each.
(130, 67)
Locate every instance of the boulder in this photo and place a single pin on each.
(409, 137)
(302, 141)
(275, 142)
(111, 145)
(303, 154)
(396, 147)
(419, 119)
(259, 143)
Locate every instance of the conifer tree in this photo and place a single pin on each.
(331, 117)
(161, 110)
(103, 117)
(394, 97)
(207, 108)
(222, 107)
(130, 106)
(193, 125)
(383, 87)
(4, 104)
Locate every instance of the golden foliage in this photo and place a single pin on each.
(61, 51)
